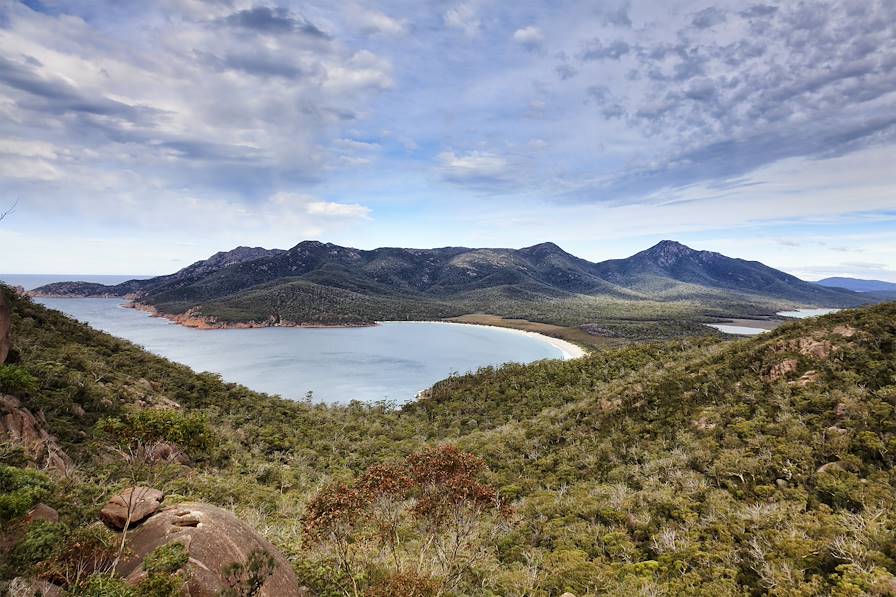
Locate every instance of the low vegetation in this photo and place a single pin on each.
(694, 466)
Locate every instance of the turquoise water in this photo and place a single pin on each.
(390, 361)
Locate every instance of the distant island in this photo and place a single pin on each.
(876, 288)
(667, 290)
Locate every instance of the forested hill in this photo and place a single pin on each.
(700, 467)
(324, 283)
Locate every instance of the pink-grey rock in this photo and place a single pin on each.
(215, 539)
(21, 428)
(32, 587)
(140, 502)
(42, 512)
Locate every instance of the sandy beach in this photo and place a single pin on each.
(568, 349)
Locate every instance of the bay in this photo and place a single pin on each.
(390, 361)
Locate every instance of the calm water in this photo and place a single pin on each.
(391, 361)
(804, 313)
(740, 330)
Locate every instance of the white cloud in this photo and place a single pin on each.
(475, 166)
(529, 37)
(339, 210)
(464, 17)
(365, 70)
(373, 22)
(292, 204)
(28, 148)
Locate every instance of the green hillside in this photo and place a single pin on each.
(698, 467)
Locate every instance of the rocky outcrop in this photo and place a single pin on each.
(214, 539)
(5, 326)
(20, 427)
(131, 507)
(818, 349)
(781, 370)
(847, 331)
(807, 378)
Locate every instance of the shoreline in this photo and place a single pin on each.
(568, 350)
(189, 320)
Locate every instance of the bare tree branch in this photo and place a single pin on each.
(11, 209)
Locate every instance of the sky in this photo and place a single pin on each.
(138, 137)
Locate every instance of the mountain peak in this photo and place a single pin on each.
(670, 245)
(546, 248)
(668, 252)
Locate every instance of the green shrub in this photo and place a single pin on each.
(42, 541)
(17, 381)
(20, 489)
(87, 554)
(160, 585)
(166, 559)
(189, 431)
(105, 585)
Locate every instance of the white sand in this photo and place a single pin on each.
(568, 350)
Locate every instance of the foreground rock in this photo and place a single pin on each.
(214, 539)
(5, 325)
(32, 587)
(42, 512)
(140, 502)
(21, 428)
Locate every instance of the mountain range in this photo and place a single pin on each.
(323, 283)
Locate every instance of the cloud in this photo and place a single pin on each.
(237, 102)
(259, 63)
(55, 94)
(529, 37)
(596, 50)
(364, 70)
(618, 15)
(566, 71)
(710, 17)
(803, 82)
(463, 16)
(372, 22)
(759, 11)
(292, 204)
(274, 21)
(339, 210)
(472, 167)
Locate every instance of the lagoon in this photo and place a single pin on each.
(804, 313)
(390, 361)
(739, 330)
